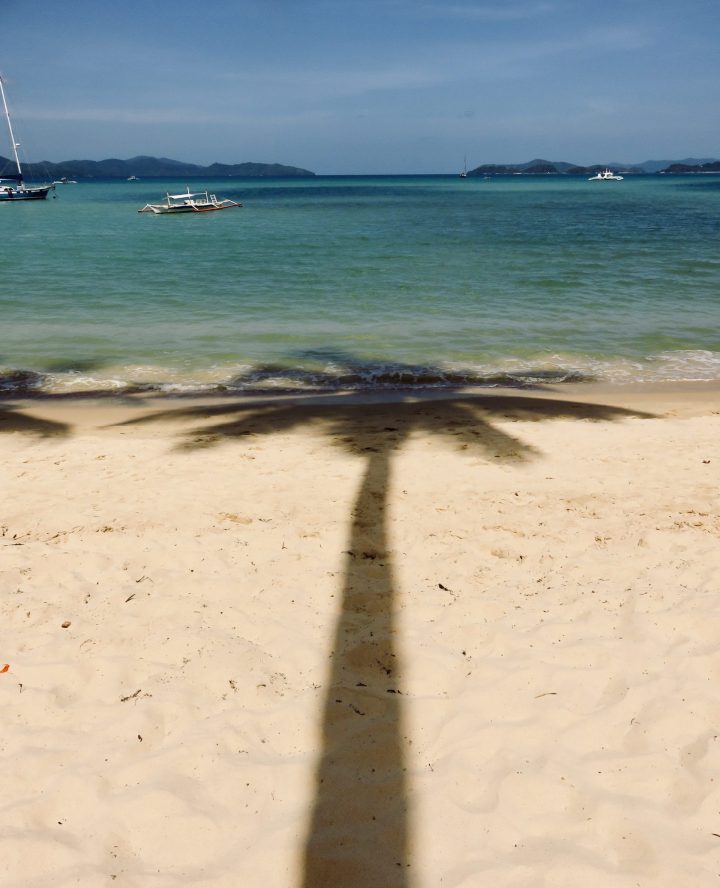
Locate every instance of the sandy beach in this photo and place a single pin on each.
(441, 642)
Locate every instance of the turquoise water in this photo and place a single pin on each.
(363, 282)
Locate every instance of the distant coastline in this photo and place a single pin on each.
(146, 167)
(150, 167)
(540, 167)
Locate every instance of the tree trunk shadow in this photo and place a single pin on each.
(358, 834)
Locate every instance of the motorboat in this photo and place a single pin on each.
(605, 175)
(190, 202)
(12, 185)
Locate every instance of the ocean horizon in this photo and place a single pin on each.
(363, 283)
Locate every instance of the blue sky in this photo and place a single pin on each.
(364, 86)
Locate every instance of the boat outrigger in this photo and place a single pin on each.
(190, 202)
(12, 185)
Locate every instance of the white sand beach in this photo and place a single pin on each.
(444, 643)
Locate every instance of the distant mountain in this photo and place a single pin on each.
(655, 166)
(145, 167)
(539, 165)
(545, 167)
(712, 166)
(148, 167)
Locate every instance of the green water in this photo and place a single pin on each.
(363, 282)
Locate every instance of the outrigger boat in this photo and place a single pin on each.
(190, 202)
(12, 185)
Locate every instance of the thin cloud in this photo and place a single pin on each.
(278, 87)
(450, 63)
(122, 115)
(491, 12)
(363, 80)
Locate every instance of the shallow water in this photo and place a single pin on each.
(363, 282)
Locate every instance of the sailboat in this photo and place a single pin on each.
(463, 174)
(12, 185)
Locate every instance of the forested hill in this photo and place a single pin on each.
(545, 167)
(146, 167)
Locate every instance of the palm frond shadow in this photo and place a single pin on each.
(358, 832)
(12, 420)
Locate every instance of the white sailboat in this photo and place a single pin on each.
(12, 185)
(463, 174)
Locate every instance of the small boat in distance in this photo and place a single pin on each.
(12, 185)
(605, 175)
(64, 181)
(132, 179)
(463, 174)
(190, 202)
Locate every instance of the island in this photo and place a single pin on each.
(539, 167)
(712, 166)
(143, 167)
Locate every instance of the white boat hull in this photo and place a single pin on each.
(605, 176)
(198, 202)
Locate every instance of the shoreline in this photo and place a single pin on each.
(676, 398)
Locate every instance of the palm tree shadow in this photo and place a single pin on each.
(358, 833)
(358, 828)
(12, 420)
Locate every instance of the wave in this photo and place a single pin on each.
(323, 372)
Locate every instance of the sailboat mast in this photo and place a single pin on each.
(12, 134)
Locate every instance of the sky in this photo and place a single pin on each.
(363, 86)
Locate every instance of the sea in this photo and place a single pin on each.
(333, 283)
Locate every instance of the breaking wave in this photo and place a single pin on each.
(318, 373)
